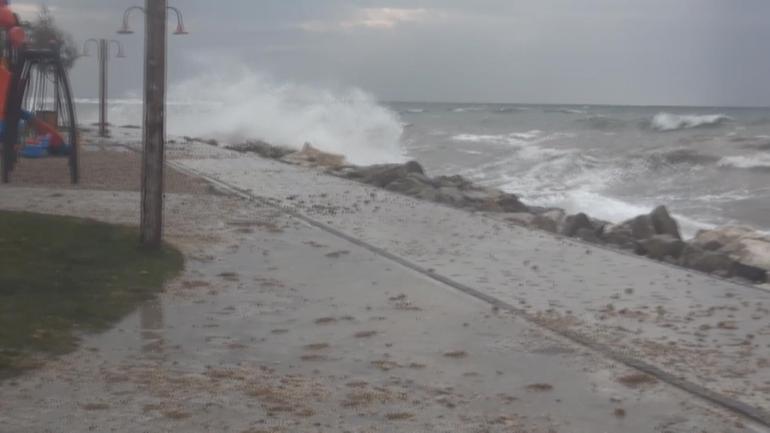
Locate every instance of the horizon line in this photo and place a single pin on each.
(573, 104)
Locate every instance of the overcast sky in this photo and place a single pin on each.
(649, 52)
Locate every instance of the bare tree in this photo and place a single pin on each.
(44, 32)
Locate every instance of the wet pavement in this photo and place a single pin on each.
(279, 326)
(712, 333)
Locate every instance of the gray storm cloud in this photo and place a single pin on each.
(652, 52)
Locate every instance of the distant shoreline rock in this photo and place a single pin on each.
(729, 252)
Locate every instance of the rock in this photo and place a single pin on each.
(711, 262)
(588, 235)
(262, 149)
(548, 219)
(312, 157)
(412, 184)
(455, 181)
(482, 200)
(659, 247)
(574, 223)
(621, 236)
(750, 273)
(429, 194)
(543, 222)
(520, 218)
(557, 215)
(663, 223)
(414, 167)
(720, 237)
(600, 226)
(641, 227)
(482, 194)
(742, 243)
(747, 247)
(383, 174)
(451, 195)
(658, 222)
(510, 203)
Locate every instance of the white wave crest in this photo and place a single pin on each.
(515, 139)
(746, 162)
(666, 122)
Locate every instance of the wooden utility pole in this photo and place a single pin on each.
(154, 124)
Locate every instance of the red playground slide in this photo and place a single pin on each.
(47, 135)
(44, 129)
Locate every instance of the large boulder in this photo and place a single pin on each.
(660, 247)
(711, 262)
(748, 248)
(510, 203)
(663, 223)
(750, 273)
(451, 195)
(641, 227)
(383, 174)
(520, 218)
(263, 149)
(412, 184)
(658, 222)
(575, 223)
(455, 181)
(620, 235)
(313, 157)
(546, 221)
(588, 235)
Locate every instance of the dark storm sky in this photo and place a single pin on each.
(648, 52)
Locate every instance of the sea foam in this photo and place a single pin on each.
(665, 122)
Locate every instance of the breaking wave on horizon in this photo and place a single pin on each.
(666, 122)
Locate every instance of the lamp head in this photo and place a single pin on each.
(125, 30)
(180, 30)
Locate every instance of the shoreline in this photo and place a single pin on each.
(735, 252)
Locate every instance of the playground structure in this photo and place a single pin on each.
(37, 113)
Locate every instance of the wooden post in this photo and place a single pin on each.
(103, 58)
(154, 124)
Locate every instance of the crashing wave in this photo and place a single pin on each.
(665, 122)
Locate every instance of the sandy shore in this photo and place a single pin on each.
(312, 303)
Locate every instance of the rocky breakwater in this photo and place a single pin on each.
(729, 252)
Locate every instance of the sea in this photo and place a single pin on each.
(709, 165)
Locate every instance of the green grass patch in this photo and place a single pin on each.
(62, 277)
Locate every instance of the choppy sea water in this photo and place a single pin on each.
(711, 166)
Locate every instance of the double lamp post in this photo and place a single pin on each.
(154, 123)
(104, 49)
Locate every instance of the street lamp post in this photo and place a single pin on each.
(154, 124)
(104, 47)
